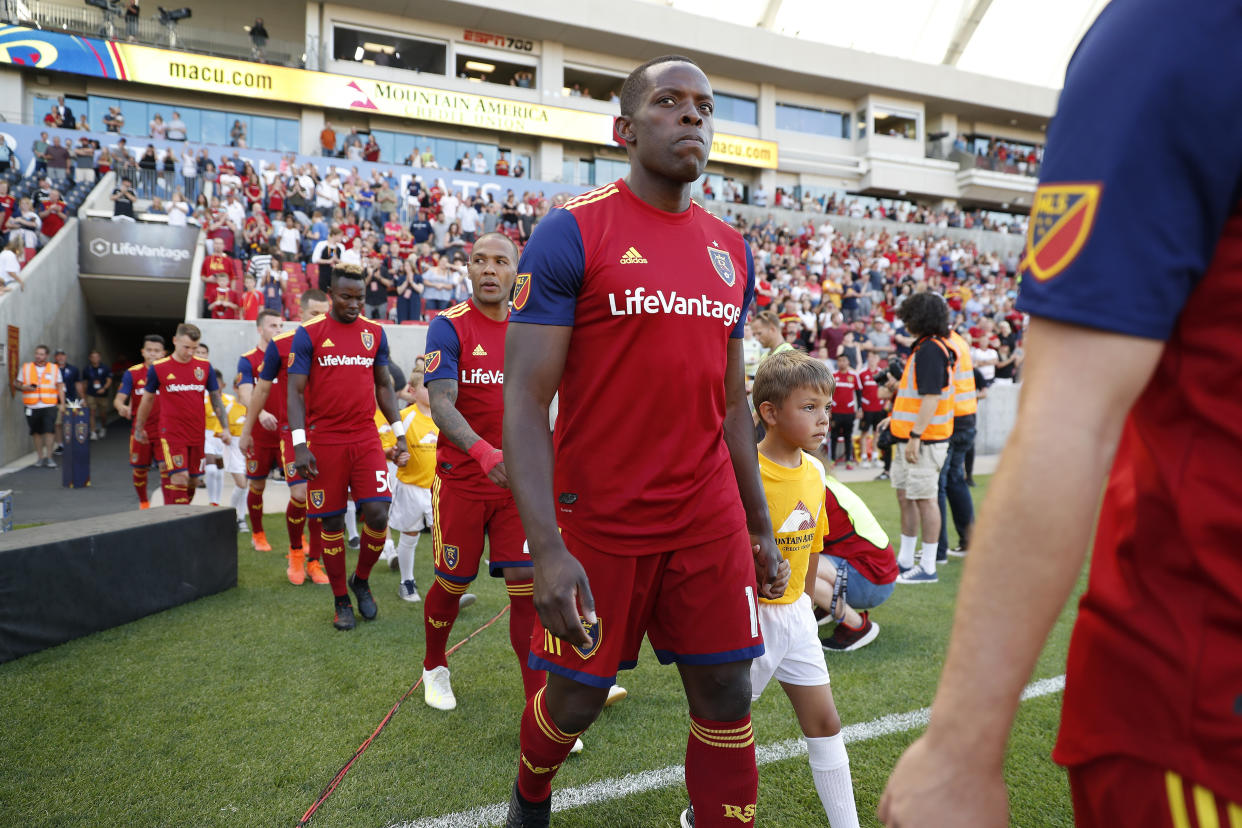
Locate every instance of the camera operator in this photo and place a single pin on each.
(953, 488)
(921, 425)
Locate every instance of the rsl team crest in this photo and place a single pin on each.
(1061, 219)
(723, 264)
(595, 632)
(199, 373)
(521, 291)
(368, 340)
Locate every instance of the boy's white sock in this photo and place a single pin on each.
(238, 501)
(830, 768)
(905, 558)
(927, 557)
(405, 555)
(215, 482)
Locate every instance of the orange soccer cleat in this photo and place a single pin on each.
(260, 542)
(297, 567)
(142, 504)
(315, 570)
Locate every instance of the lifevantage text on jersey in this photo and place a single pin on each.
(638, 301)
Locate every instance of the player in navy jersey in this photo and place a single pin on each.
(338, 371)
(470, 496)
(1133, 385)
(262, 449)
(631, 302)
(142, 452)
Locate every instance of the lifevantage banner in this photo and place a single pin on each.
(122, 248)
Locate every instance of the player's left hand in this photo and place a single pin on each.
(401, 452)
(267, 420)
(911, 449)
(938, 787)
(767, 565)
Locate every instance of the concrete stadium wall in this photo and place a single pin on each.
(52, 310)
(997, 412)
(229, 339)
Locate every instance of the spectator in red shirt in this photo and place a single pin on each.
(258, 228)
(252, 299)
(502, 165)
(52, 214)
(216, 261)
(225, 303)
(371, 152)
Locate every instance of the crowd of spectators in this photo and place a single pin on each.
(29, 217)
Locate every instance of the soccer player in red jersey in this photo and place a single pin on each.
(262, 447)
(872, 408)
(141, 453)
(338, 371)
(631, 301)
(180, 381)
(1132, 386)
(844, 411)
(470, 496)
(260, 399)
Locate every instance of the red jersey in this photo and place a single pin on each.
(6, 209)
(249, 367)
(251, 301)
(338, 360)
(466, 346)
(214, 264)
(180, 386)
(133, 384)
(55, 219)
(224, 311)
(845, 398)
(871, 401)
(653, 299)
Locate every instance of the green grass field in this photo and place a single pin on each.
(237, 709)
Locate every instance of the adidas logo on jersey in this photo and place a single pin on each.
(478, 351)
(632, 256)
(799, 520)
(328, 343)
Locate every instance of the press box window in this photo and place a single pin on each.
(896, 124)
(491, 70)
(737, 109)
(824, 122)
(375, 49)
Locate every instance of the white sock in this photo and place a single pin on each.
(905, 559)
(830, 768)
(389, 550)
(238, 501)
(927, 558)
(405, 555)
(351, 520)
(215, 483)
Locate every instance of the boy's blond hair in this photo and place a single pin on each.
(781, 373)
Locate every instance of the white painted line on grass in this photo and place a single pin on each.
(634, 783)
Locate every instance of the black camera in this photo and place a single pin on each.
(893, 369)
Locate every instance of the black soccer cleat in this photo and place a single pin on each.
(366, 602)
(523, 814)
(344, 618)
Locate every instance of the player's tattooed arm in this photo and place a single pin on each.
(443, 396)
(739, 432)
(217, 405)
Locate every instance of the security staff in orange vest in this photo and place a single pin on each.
(43, 395)
(954, 493)
(922, 423)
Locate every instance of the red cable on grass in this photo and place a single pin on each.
(340, 775)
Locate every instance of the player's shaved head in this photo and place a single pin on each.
(637, 83)
(496, 234)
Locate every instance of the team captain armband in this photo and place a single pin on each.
(487, 455)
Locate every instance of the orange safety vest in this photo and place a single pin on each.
(907, 403)
(965, 401)
(45, 379)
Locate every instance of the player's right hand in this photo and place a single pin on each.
(305, 463)
(123, 410)
(561, 587)
(768, 560)
(140, 435)
(933, 787)
(498, 476)
(245, 442)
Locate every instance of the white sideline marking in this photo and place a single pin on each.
(634, 783)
